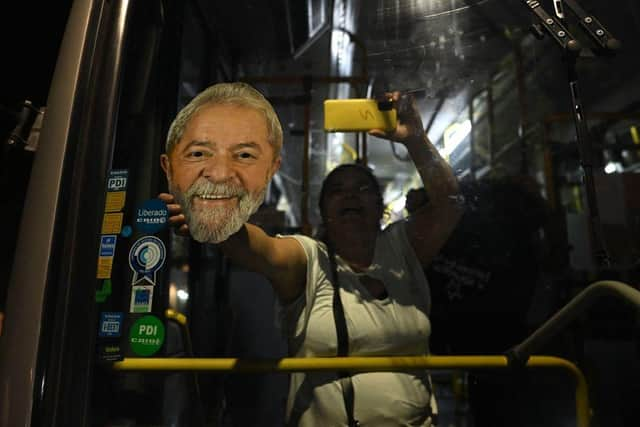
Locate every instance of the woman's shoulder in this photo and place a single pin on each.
(312, 247)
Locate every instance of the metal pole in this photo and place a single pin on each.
(576, 307)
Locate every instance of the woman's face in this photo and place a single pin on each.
(351, 200)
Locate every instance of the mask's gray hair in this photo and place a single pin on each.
(237, 93)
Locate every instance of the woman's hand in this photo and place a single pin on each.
(409, 127)
(177, 220)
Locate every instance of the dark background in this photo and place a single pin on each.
(31, 34)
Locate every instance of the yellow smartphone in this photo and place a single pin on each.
(357, 115)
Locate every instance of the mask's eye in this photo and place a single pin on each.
(197, 153)
(245, 155)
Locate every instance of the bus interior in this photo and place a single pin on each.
(535, 105)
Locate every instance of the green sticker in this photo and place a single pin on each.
(146, 335)
(104, 292)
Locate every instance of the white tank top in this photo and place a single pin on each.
(396, 325)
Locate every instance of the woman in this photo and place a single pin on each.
(361, 291)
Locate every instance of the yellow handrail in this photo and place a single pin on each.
(361, 364)
(176, 315)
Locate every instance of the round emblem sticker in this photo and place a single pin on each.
(152, 216)
(146, 336)
(146, 257)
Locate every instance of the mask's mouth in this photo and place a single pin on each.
(208, 200)
(203, 191)
(215, 196)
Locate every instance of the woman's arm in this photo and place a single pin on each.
(430, 226)
(282, 261)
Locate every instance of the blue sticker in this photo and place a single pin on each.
(141, 299)
(141, 296)
(110, 324)
(152, 216)
(108, 245)
(126, 231)
(146, 257)
(117, 180)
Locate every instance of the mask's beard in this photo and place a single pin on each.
(216, 224)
